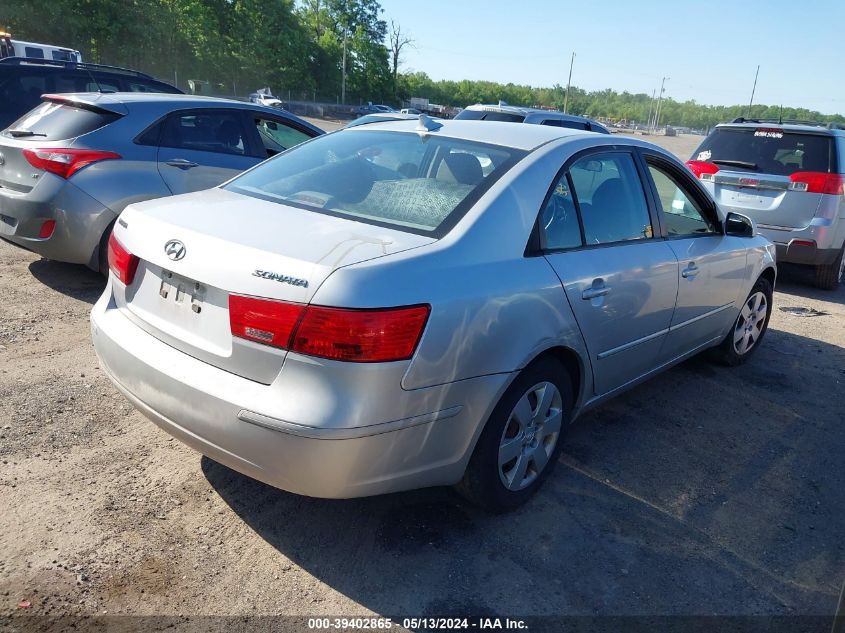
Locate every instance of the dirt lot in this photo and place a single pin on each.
(705, 491)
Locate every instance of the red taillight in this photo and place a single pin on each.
(121, 262)
(264, 320)
(702, 169)
(817, 182)
(65, 162)
(362, 336)
(47, 229)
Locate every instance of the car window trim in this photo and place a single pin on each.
(699, 195)
(599, 149)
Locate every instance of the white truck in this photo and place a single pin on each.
(19, 48)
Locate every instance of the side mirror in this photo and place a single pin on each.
(739, 225)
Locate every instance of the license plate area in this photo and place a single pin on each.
(182, 291)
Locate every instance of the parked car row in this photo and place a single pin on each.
(408, 301)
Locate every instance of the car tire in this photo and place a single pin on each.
(750, 326)
(521, 442)
(103, 252)
(829, 277)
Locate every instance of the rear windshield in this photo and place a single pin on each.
(489, 115)
(767, 150)
(58, 121)
(402, 180)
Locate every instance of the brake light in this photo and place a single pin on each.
(817, 182)
(361, 336)
(65, 162)
(264, 320)
(47, 229)
(702, 169)
(122, 263)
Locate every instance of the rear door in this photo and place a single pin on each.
(620, 281)
(711, 265)
(767, 173)
(200, 149)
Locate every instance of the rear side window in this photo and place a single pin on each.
(30, 51)
(489, 115)
(59, 121)
(220, 131)
(421, 184)
(573, 125)
(611, 199)
(767, 150)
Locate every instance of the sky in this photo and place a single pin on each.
(709, 50)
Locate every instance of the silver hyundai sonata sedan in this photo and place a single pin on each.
(422, 303)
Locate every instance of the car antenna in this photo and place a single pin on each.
(780, 116)
(91, 75)
(427, 124)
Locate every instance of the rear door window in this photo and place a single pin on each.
(59, 121)
(767, 150)
(611, 198)
(219, 131)
(31, 51)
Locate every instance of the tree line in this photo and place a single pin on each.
(298, 49)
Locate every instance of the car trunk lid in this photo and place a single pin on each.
(196, 250)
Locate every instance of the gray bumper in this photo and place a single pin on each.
(212, 411)
(80, 220)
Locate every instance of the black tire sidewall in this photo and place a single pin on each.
(482, 483)
(730, 354)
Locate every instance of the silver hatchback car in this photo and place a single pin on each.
(422, 303)
(71, 165)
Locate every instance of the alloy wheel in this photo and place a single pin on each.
(530, 435)
(750, 323)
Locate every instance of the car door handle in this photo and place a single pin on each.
(690, 271)
(595, 291)
(181, 163)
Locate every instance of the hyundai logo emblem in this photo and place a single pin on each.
(175, 250)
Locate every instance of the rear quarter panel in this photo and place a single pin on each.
(493, 308)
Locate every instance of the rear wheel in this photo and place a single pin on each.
(750, 326)
(103, 252)
(520, 443)
(829, 277)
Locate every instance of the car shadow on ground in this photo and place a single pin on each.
(705, 490)
(73, 280)
(799, 281)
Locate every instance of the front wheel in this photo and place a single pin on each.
(521, 441)
(750, 326)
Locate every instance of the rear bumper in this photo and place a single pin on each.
(800, 252)
(80, 220)
(223, 416)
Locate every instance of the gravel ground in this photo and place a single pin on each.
(706, 490)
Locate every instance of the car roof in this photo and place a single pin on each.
(515, 135)
(503, 107)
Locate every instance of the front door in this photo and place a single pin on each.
(621, 282)
(712, 266)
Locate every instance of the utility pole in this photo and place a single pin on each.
(343, 81)
(651, 108)
(659, 100)
(568, 83)
(753, 90)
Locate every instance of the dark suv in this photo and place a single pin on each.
(23, 80)
(788, 177)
